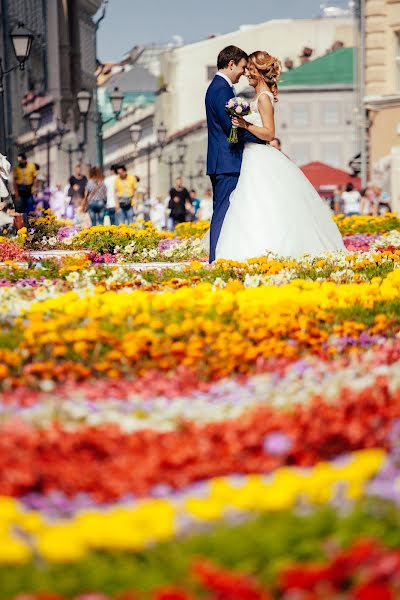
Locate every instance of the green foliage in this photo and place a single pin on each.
(261, 546)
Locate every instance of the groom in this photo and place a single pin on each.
(223, 158)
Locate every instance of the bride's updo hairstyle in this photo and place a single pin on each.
(263, 65)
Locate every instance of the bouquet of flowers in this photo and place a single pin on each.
(236, 107)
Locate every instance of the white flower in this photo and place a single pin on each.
(72, 277)
(239, 110)
(219, 283)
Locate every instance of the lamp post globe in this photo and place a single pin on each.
(34, 121)
(182, 147)
(84, 99)
(117, 99)
(136, 133)
(162, 134)
(200, 163)
(22, 40)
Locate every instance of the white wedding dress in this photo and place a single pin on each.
(274, 208)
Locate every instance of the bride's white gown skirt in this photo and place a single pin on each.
(275, 208)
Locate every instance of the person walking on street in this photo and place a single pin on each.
(351, 199)
(196, 202)
(77, 186)
(24, 186)
(96, 196)
(109, 182)
(179, 196)
(125, 190)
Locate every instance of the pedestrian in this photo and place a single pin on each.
(195, 203)
(351, 199)
(96, 196)
(58, 202)
(367, 204)
(157, 213)
(24, 186)
(179, 196)
(109, 182)
(206, 207)
(81, 217)
(125, 190)
(77, 182)
(337, 199)
(382, 201)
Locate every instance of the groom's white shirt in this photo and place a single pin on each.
(226, 79)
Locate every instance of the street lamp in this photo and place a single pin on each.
(117, 99)
(182, 148)
(136, 133)
(84, 99)
(200, 163)
(34, 121)
(22, 40)
(162, 134)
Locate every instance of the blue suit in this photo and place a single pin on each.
(224, 159)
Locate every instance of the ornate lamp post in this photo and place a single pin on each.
(200, 164)
(117, 99)
(84, 100)
(136, 133)
(34, 121)
(180, 160)
(22, 40)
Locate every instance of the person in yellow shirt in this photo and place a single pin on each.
(24, 186)
(125, 193)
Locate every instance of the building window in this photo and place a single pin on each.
(300, 115)
(300, 153)
(331, 114)
(397, 61)
(332, 154)
(211, 70)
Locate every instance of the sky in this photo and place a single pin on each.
(134, 22)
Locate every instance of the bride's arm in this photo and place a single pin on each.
(266, 110)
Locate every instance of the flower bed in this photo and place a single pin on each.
(226, 431)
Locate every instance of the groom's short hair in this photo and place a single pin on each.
(230, 53)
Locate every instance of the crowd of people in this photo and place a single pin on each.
(91, 199)
(372, 200)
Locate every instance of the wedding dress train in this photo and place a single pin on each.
(274, 208)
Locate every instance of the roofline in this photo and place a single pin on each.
(343, 19)
(381, 101)
(320, 87)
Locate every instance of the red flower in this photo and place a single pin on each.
(373, 591)
(171, 594)
(227, 585)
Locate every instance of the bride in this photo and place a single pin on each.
(274, 207)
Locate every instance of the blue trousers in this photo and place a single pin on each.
(223, 186)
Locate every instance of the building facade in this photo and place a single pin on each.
(382, 93)
(62, 62)
(315, 117)
(188, 70)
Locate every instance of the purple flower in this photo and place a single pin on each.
(66, 232)
(277, 443)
